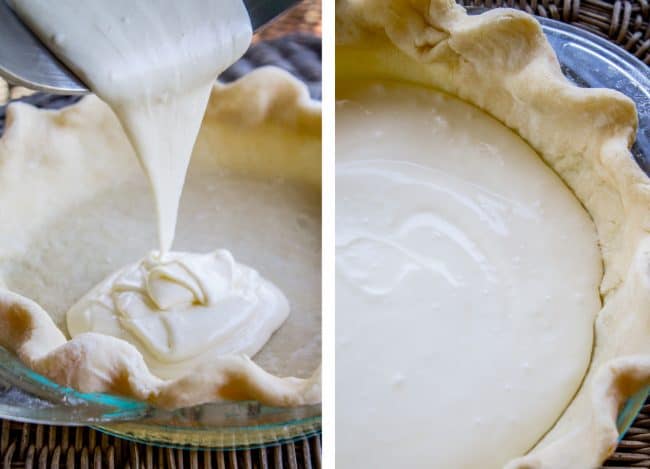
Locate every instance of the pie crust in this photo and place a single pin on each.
(267, 109)
(501, 62)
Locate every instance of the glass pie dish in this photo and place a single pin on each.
(222, 167)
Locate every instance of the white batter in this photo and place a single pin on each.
(155, 62)
(233, 310)
(467, 284)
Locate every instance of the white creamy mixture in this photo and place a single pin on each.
(232, 309)
(73, 252)
(154, 63)
(464, 269)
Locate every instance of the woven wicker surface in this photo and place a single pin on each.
(39, 446)
(304, 18)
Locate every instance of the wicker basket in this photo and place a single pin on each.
(39, 446)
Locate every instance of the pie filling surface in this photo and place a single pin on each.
(467, 284)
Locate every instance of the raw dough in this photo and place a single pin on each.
(447, 282)
(501, 62)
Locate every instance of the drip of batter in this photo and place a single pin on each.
(452, 292)
(154, 62)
